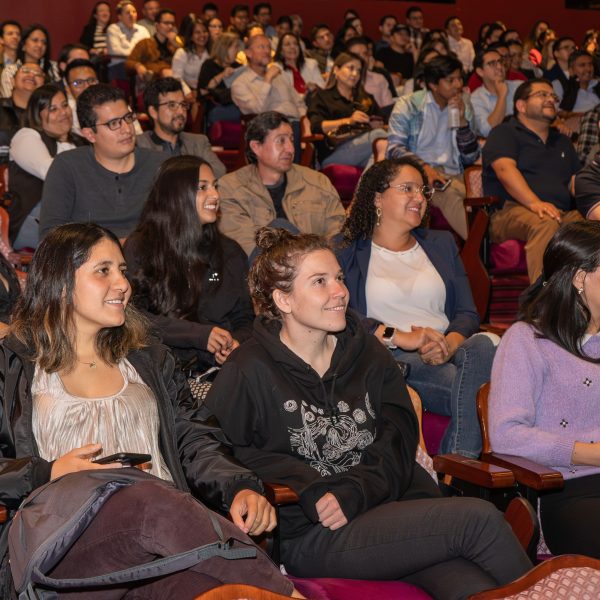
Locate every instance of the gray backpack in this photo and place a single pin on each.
(53, 517)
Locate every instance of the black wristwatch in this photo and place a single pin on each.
(388, 337)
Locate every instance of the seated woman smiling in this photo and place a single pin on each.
(80, 379)
(314, 402)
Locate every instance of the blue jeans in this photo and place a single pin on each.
(357, 152)
(451, 389)
(223, 112)
(29, 234)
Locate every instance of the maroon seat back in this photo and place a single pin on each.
(357, 589)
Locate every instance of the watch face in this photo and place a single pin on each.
(388, 333)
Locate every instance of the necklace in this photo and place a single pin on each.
(91, 365)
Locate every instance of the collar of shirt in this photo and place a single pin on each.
(167, 146)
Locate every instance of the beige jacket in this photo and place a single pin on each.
(311, 203)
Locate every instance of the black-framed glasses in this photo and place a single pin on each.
(115, 124)
(174, 105)
(543, 94)
(414, 189)
(77, 83)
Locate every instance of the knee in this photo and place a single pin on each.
(482, 515)
(543, 228)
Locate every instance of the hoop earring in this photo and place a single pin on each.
(378, 213)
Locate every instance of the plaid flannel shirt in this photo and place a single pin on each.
(588, 134)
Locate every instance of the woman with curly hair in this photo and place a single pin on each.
(186, 275)
(410, 287)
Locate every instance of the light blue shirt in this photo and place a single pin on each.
(484, 102)
(586, 99)
(435, 144)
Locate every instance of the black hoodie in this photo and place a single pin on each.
(352, 432)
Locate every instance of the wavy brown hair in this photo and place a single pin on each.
(43, 319)
(277, 265)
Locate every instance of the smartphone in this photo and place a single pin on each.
(439, 185)
(127, 459)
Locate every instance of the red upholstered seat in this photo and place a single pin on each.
(508, 257)
(226, 134)
(355, 589)
(434, 426)
(344, 179)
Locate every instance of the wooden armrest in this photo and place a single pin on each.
(314, 137)
(481, 201)
(279, 494)
(499, 330)
(537, 477)
(3, 514)
(473, 471)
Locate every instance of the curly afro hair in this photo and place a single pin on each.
(375, 180)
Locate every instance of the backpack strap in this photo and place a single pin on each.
(156, 568)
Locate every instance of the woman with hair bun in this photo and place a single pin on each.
(187, 276)
(544, 402)
(314, 402)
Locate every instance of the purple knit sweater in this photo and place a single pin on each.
(543, 400)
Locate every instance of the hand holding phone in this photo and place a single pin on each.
(441, 185)
(127, 459)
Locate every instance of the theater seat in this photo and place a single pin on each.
(357, 589)
(344, 179)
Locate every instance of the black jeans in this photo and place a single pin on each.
(450, 547)
(148, 521)
(571, 517)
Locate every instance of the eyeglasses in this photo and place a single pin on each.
(544, 95)
(29, 71)
(203, 186)
(173, 105)
(414, 189)
(81, 82)
(169, 23)
(115, 124)
(494, 63)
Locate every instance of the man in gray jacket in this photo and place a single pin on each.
(165, 103)
(273, 189)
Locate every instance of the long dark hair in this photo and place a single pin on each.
(93, 21)
(187, 31)
(358, 92)
(45, 61)
(279, 52)
(43, 319)
(552, 305)
(375, 180)
(176, 249)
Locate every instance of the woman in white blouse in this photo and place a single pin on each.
(409, 284)
(187, 61)
(301, 72)
(47, 132)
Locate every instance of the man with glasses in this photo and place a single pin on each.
(108, 181)
(165, 103)
(153, 56)
(494, 99)
(79, 75)
(562, 48)
(530, 166)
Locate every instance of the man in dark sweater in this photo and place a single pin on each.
(107, 182)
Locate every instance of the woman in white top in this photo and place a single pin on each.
(409, 284)
(187, 61)
(46, 133)
(34, 47)
(121, 38)
(86, 380)
(301, 72)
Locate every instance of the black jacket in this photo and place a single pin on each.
(194, 448)
(228, 306)
(353, 432)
